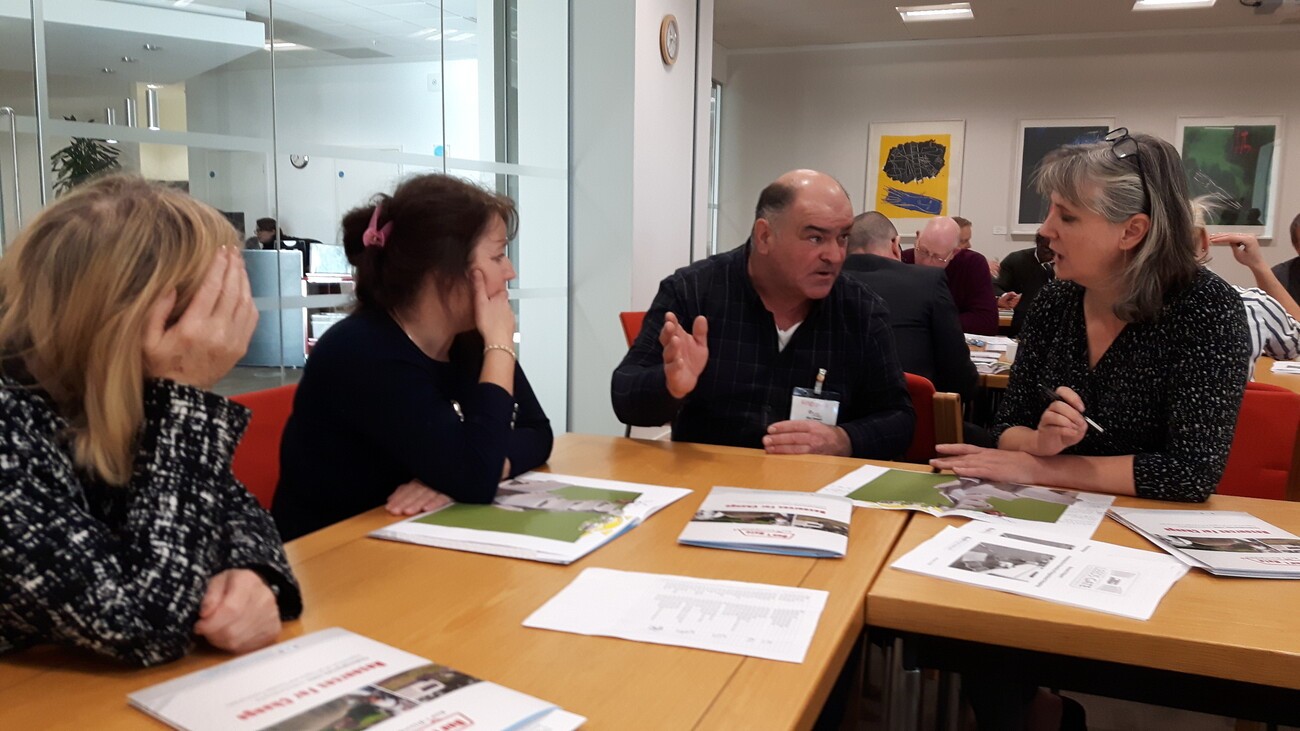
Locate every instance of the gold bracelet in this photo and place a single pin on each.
(503, 348)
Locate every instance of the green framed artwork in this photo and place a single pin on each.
(1234, 162)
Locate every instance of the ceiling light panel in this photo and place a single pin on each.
(928, 13)
(1172, 4)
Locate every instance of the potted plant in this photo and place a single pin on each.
(82, 160)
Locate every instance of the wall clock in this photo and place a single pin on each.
(669, 40)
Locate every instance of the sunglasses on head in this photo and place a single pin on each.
(1124, 147)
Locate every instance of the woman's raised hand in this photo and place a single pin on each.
(213, 332)
(492, 314)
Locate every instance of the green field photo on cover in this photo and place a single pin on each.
(563, 513)
(899, 487)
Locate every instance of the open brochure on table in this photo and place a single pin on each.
(538, 516)
(1224, 543)
(334, 679)
(768, 521)
(1080, 573)
(1071, 513)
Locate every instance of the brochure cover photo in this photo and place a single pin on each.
(769, 521)
(1225, 543)
(538, 516)
(334, 680)
(1074, 513)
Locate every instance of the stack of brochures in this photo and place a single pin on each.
(1221, 542)
(538, 516)
(767, 521)
(1286, 366)
(1080, 573)
(334, 679)
(1047, 508)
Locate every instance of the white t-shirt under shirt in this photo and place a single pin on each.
(783, 336)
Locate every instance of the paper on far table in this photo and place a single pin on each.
(760, 620)
(1285, 366)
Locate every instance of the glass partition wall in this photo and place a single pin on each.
(297, 111)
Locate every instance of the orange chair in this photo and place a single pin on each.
(1262, 461)
(631, 325)
(938, 419)
(257, 458)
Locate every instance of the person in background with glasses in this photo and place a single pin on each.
(1134, 331)
(1023, 274)
(937, 245)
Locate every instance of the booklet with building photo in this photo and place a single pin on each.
(1224, 543)
(768, 521)
(334, 679)
(1080, 573)
(539, 516)
(1072, 513)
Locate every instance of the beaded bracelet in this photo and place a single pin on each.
(503, 348)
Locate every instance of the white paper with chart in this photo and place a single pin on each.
(760, 620)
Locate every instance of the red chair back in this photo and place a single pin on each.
(1264, 445)
(922, 393)
(257, 458)
(631, 325)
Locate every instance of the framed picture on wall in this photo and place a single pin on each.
(1234, 162)
(914, 169)
(1035, 139)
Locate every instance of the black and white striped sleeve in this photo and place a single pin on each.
(1273, 332)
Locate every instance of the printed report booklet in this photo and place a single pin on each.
(539, 516)
(1046, 565)
(1068, 512)
(1224, 543)
(334, 679)
(767, 521)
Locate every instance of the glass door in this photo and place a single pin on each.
(20, 169)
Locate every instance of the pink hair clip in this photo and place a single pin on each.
(375, 236)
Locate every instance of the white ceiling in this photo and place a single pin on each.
(748, 24)
(334, 31)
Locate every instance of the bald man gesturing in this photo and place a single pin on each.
(729, 339)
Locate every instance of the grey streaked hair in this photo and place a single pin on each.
(1091, 176)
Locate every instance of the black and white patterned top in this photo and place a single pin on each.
(748, 381)
(1166, 391)
(121, 571)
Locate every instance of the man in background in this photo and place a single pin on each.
(922, 313)
(1023, 273)
(1288, 272)
(264, 236)
(967, 270)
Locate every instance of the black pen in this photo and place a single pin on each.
(1049, 393)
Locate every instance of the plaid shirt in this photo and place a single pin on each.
(747, 384)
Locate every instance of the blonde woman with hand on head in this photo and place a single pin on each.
(122, 529)
(417, 398)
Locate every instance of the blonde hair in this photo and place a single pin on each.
(76, 289)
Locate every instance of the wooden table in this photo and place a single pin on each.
(466, 610)
(1239, 630)
(1264, 375)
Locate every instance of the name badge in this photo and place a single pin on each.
(808, 405)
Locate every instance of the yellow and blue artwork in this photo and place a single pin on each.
(913, 175)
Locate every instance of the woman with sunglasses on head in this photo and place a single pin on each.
(1134, 338)
(415, 399)
(1133, 333)
(122, 530)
